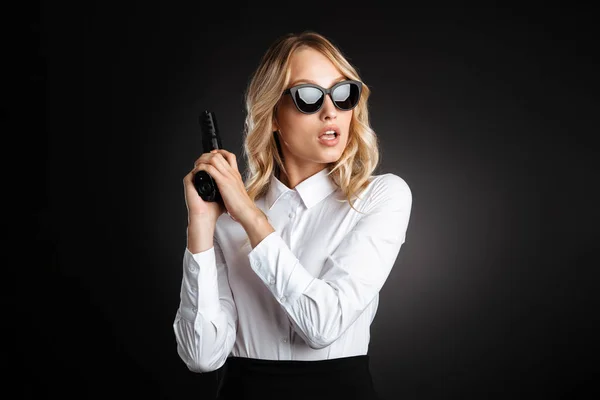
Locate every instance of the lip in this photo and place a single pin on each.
(329, 128)
(331, 142)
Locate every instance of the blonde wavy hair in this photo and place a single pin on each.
(354, 169)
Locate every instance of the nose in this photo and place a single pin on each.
(328, 111)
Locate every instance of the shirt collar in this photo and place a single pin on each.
(311, 190)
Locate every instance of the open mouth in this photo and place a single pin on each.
(329, 136)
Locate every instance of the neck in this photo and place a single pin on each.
(297, 176)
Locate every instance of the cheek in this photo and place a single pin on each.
(347, 123)
(293, 124)
(288, 116)
(288, 107)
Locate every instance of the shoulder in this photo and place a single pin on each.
(391, 183)
(388, 190)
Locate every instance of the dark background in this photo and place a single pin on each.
(487, 113)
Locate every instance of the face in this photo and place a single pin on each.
(299, 132)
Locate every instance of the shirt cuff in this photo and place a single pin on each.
(279, 269)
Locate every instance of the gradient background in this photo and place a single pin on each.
(488, 114)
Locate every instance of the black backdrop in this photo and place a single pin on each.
(487, 114)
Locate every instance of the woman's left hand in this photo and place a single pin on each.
(222, 166)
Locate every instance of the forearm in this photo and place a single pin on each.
(257, 227)
(200, 235)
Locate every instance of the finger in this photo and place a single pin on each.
(203, 158)
(206, 157)
(222, 165)
(190, 175)
(212, 171)
(229, 157)
(194, 169)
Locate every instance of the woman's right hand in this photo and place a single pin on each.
(199, 209)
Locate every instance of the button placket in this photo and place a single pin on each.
(293, 206)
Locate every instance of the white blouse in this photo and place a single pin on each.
(308, 291)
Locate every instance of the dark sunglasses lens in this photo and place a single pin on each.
(309, 99)
(346, 96)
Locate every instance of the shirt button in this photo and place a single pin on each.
(283, 298)
(285, 340)
(272, 281)
(192, 268)
(193, 290)
(194, 309)
(291, 215)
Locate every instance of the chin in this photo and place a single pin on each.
(332, 158)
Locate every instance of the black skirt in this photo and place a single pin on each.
(347, 378)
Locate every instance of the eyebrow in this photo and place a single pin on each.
(297, 81)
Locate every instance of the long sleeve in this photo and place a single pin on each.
(206, 320)
(321, 309)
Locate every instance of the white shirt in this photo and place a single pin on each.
(308, 291)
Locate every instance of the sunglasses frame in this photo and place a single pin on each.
(292, 92)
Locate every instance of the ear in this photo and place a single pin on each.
(274, 124)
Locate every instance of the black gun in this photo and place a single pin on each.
(205, 184)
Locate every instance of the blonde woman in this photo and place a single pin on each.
(281, 281)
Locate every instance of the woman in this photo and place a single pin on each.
(280, 281)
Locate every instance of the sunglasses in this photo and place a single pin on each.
(309, 98)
